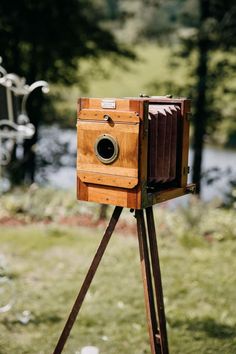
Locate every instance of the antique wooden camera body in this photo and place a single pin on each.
(132, 152)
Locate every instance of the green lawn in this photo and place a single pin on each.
(47, 264)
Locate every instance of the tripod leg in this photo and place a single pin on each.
(87, 281)
(147, 282)
(157, 280)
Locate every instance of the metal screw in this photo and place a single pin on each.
(143, 95)
(106, 117)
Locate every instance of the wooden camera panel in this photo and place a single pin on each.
(132, 152)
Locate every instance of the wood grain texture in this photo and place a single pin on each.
(121, 104)
(106, 194)
(128, 198)
(164, 195)
(82, 103)
(126, 164)
(115, 116)
(109, 195)
(107, 179)
(82, 190)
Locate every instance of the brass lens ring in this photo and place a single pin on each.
(106, 148)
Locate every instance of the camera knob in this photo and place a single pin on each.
(106, 117)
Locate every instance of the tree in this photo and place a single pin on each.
(206, 28)
(200, 118)
(44, 40)
(215, 31)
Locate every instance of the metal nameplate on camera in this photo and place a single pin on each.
(110, 104)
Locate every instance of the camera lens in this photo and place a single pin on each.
(106, 148)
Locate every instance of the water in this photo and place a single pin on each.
(225, 160)
(213, 158)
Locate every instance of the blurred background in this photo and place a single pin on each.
(118, 48)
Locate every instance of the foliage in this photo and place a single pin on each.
(231, 195)
(199, 222)
(215, 30)
(47, 264)
(154, 63)
(40, 204)
(160, 70)
(203, 28)
(196, 222)
(46, 40)
(128, 18)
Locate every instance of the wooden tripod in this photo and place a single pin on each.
(151, 276)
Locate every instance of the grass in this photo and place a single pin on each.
(46, 264)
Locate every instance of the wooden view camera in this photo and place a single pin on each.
(132, 152)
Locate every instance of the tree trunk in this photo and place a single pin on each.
(200, 121)
(103, 212)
